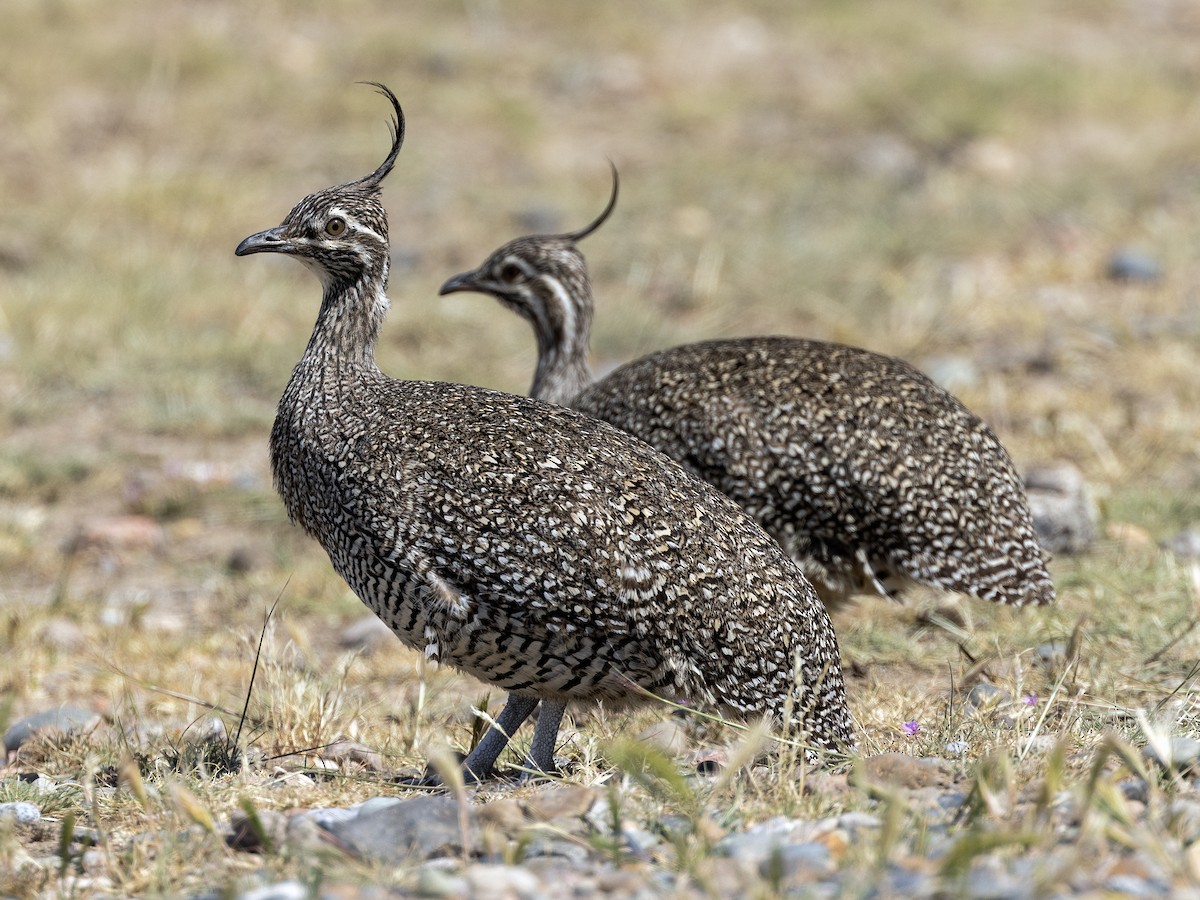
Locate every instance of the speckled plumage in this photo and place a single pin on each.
(868, 474)
(533, 547)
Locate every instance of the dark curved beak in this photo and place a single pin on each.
(464, 281)
(269, 241)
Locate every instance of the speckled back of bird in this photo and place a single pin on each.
(859, 465)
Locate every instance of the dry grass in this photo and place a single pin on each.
(935, 180)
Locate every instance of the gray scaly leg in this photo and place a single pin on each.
(545, 735)
(478, 765)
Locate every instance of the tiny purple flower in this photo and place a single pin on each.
(911, 728)
(1030, 699)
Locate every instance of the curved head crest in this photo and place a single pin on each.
(576, 236)
(397, 127)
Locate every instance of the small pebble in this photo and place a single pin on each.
(20, 811)
(1052, 652)
(1132, 265)
(283, 890)
(985, 695)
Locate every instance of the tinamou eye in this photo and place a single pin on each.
(335, 227)
(511, 272)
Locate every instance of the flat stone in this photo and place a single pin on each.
(20, 811)
(904, 771)
(64, 720)
(561, 801)
(414, 829)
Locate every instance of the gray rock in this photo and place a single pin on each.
(637, 841)
(1133, 265)
(805, 861)
(1063, 507)
(283, 890)
(20, 811)
(985, 695)
(65, 720)
(1185, 545)
(414, 829)
(1051, 652)
(1183, 754)
(1134, 789)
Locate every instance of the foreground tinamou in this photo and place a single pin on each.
(526, 544)
(867, 473)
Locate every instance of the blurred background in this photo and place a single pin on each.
(1005, 193)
